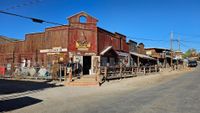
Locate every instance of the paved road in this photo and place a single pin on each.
(180, 95)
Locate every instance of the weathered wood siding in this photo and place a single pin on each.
(83, 32)
(106, 38)
(65, 36)
(33, 43)
(56, 37)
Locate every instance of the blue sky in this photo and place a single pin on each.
(147, 21)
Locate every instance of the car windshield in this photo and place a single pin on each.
(192, 61)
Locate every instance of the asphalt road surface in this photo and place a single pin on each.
(180, 95)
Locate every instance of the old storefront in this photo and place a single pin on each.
(81, 41)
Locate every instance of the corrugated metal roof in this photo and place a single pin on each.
(124, 54)
(142, 56)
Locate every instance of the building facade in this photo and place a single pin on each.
(80, 41)
(162, 55)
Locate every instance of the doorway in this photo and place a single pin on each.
(86, 65)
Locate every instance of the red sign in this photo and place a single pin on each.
(2, 70)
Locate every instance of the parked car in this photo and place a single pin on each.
(192, 63)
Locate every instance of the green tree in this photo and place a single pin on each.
(189, 53)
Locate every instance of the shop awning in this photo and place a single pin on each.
(142, 56)
(123, 54)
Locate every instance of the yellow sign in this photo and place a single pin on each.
(83, 45)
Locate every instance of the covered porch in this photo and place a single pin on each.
(109, 57)
(142, 60)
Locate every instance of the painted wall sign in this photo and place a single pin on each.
(83, 45)
(54, 50)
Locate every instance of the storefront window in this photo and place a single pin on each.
(104, 61)
(112, 61)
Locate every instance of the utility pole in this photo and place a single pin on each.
(171, 46)
(179, 45)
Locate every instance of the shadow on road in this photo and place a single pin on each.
(17, 103)
(16, 86)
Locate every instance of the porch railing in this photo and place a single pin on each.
(122, 72)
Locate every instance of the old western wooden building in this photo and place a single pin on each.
(162, 55)
(81, 41)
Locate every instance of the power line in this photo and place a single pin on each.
(23, 4)
(146, 39)
(184, 45)
(189, 47)
(188, 35)
(30, 18)
(196, 42)
(180, 41)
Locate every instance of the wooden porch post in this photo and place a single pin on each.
(120, 71)
(70, 75)
(149, 69)
(144, 70)
(105, 72)
(138, 61)
(132, 71)
(156, 70)
(65, 73)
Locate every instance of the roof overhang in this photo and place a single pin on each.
(163, 49)
(123, 54)
(142, 56)
(107, 49)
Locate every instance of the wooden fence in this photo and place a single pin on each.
(103, 73)
(124, 72)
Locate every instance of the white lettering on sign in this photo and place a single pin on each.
(54, 50)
